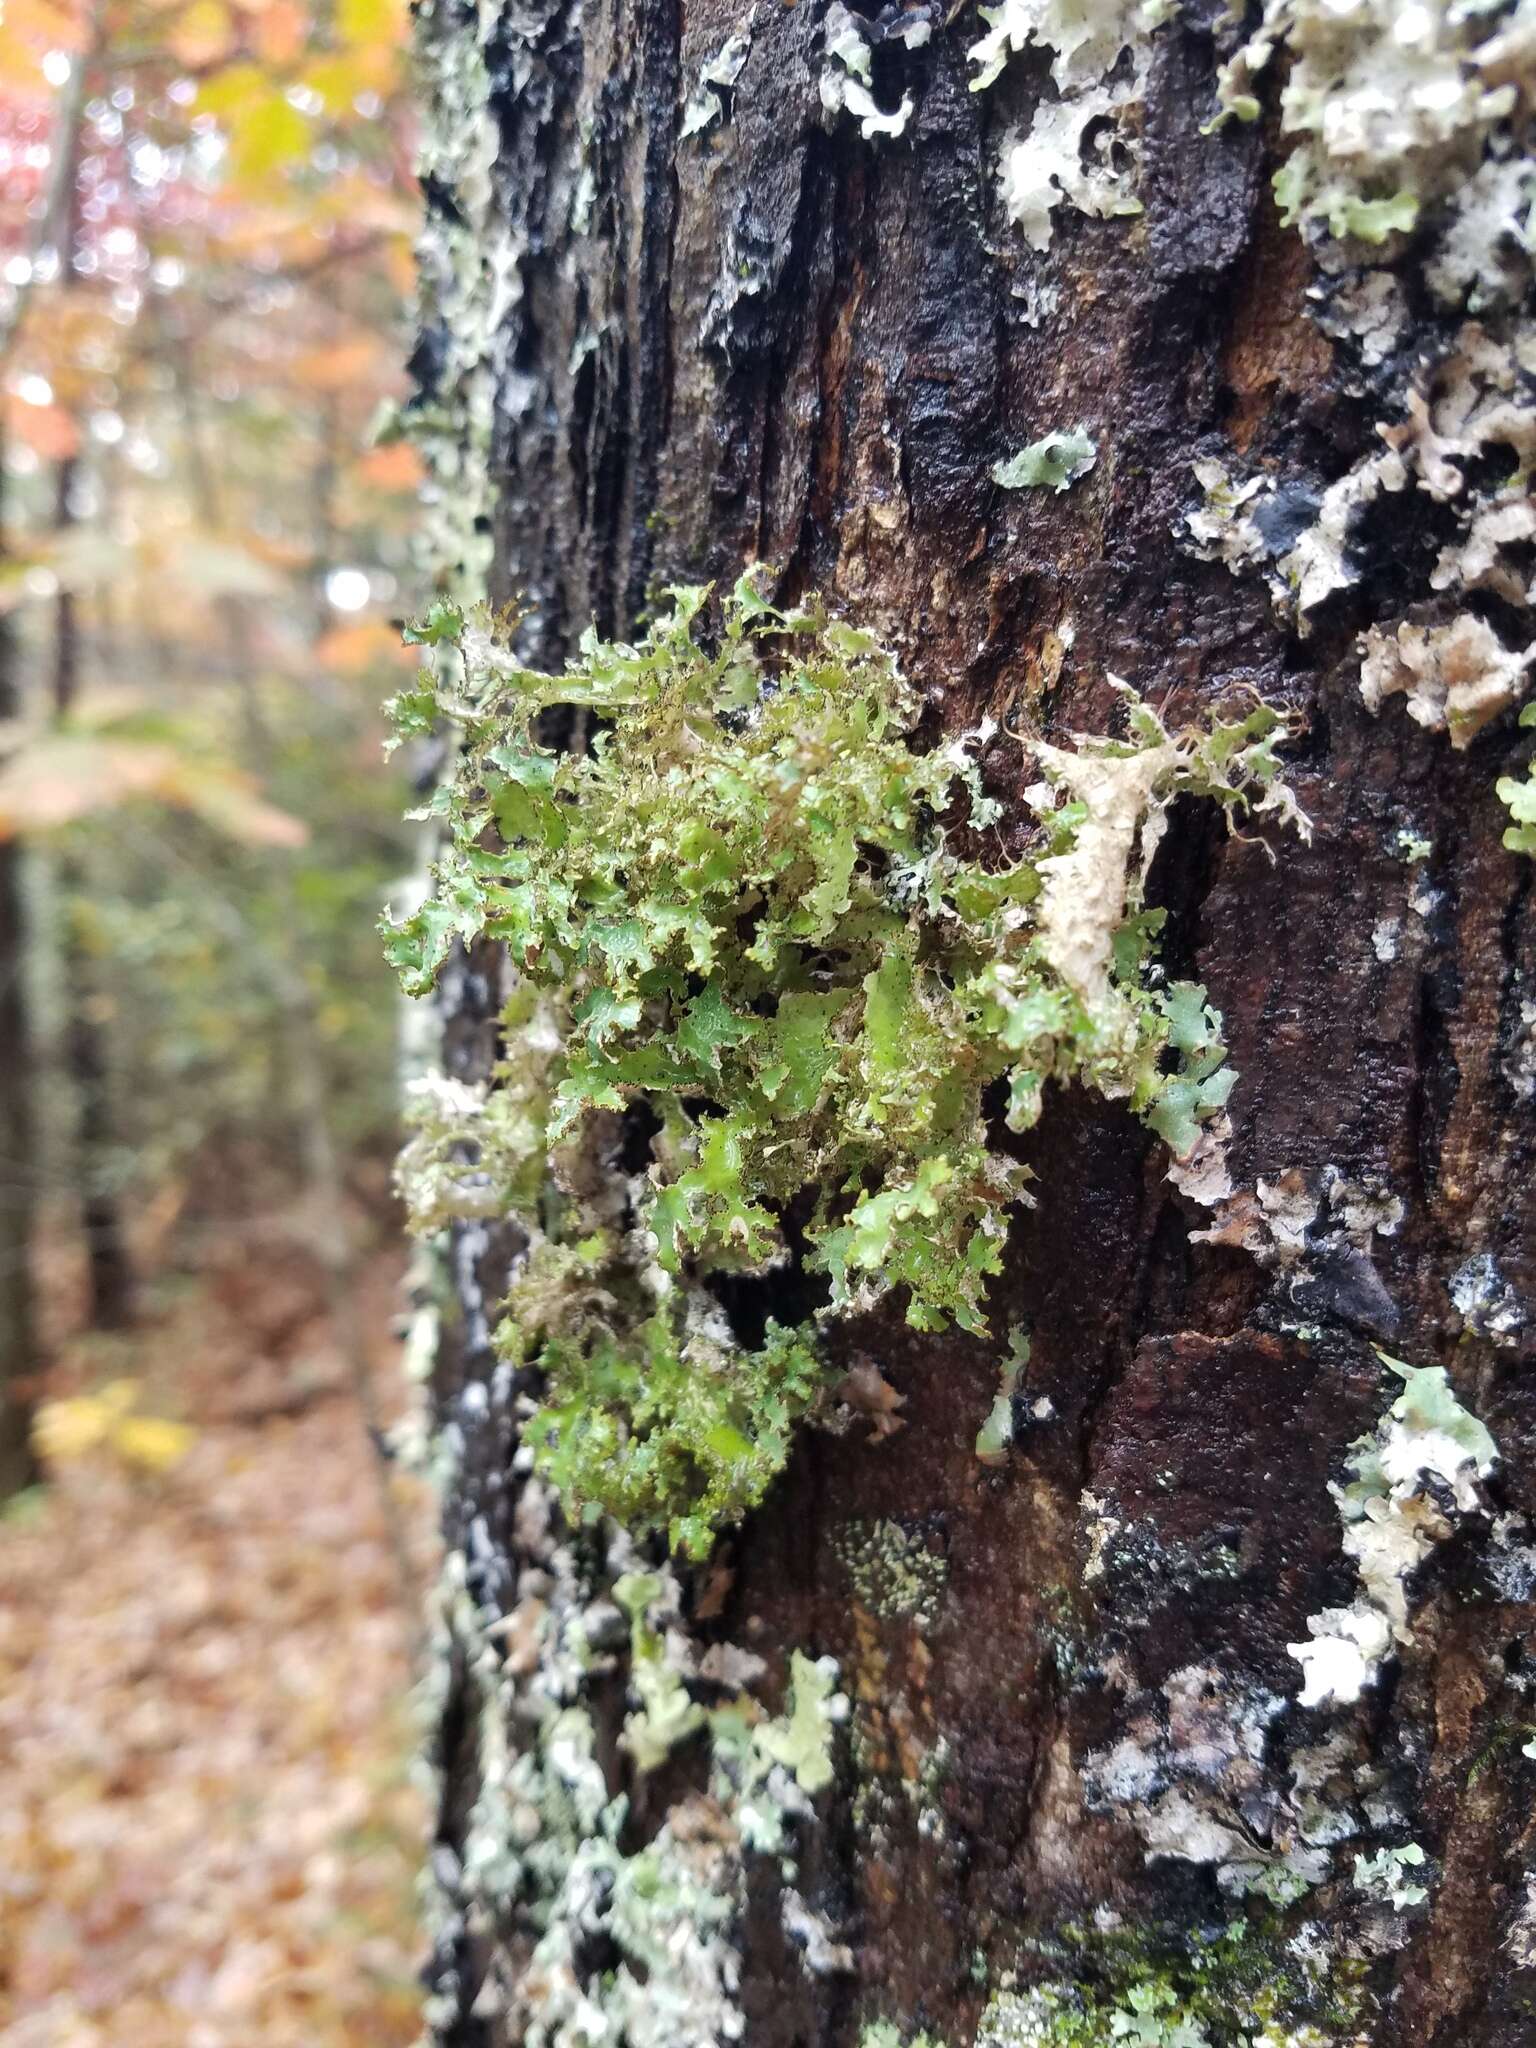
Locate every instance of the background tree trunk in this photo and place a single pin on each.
(18, 1187)
(651, 358)
(83, 1050)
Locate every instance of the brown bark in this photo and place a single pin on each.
(785, 344)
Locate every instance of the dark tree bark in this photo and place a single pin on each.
(651, 357)
(18, 1331)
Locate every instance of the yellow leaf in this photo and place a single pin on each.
(270, 137)
(337, 82)
(229, 90)
(152, 1442)
(65, 1430)
(369, 22)
(267, 133)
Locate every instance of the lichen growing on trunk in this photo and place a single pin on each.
(724, 1130)
(747, 924)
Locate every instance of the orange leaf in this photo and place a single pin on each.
(282, 30)
(47, 430)
(342, 365)
(367, 644)
(202, 35)
(396, 467)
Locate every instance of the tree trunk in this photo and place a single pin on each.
(1147, 1735)
(18, 1187)
(84, 1061)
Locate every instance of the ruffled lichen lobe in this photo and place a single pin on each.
(749, 933)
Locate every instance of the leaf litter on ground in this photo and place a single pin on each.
(208, 1831)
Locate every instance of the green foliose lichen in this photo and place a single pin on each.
(766, 945)
(1239, 1987)
(1054, 463)
(653, 1412)
(996, 1433)
(1519, 798)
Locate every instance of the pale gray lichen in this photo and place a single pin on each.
(845, 84)
(1455, 678)
(1189, 1772)
(717, 74)
(1413, 1477)
(1303, 1224)
(470, 263)
(1391, 106)
(1045, 167)
(1382, 1875)
(1466, 439)
(1222, 527)
(1519, 1059)
(1482, 259)
(1247, 523)
(1367, 310)
(810, 1932)
(469, 1150)
(1456, 671)
(1520, 1941)
(1488, 1304)
(545, 1849)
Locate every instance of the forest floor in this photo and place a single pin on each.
(208, 1830)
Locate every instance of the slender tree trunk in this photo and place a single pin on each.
(1143, 1738)
(87, 1069)
(110, 1288)
(18, 1331)
(18, 1074)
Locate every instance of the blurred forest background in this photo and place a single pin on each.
(207, 1832)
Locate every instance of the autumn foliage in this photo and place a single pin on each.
(205, 541)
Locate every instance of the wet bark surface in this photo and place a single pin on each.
(777, 342)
